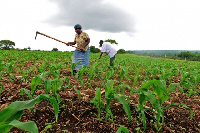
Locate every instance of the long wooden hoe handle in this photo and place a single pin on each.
(97, 59)
(68, 44)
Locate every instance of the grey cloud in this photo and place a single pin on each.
(92, 14)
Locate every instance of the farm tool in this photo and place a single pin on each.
(68, 44)
(98, 58)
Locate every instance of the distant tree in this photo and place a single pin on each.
(121, 51)
(29, 48)
(187, 54)
(97, 50)
(54, 49)
(25, 49)
(111, 41)
(94, 50)
(6, 44)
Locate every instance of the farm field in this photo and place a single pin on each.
(137, 94)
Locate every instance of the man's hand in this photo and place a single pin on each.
(72, 43)
(69, 43)
(82, 49)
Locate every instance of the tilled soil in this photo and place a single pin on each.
(80, 115)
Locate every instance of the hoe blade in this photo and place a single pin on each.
(36, 34)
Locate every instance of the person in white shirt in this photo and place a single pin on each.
(109, 49)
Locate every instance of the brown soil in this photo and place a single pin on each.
(81, 116)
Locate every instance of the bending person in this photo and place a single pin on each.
(109, 49)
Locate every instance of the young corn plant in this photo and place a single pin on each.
(2, 67)
(56, 85)
(191, 82)
(101, 76)
(98, 103)
(22, 91)
(35, 82)
(136, 76)
(156, 97)
(109, 96)
(26, 73)
(55, 66)
(92, 73)
(41, 68)
(110, 73)
(124, 73)
(10, 116)
(72, 67)
(10, 68)
(48, 126)
(80, 74)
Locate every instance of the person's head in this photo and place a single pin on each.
(100, 43)
(78, 28)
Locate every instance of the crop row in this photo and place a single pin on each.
(151, 79)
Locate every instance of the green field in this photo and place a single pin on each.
(137, 94)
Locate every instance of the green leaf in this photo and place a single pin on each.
(53, 101)
(146, 84)
(191, 112)
(47, 85)
(122, 129)
(55, 107)
(27, 126)
(28, 93)
(35, 82)
(76, 76)
(5, 127)
(159, 88)
(182, 104)
(97, 101)
(122, 100)
(122, 86)
(109, 91)
(79, 94)
(167, 107)
(172, 87)
(98, 95)
(142, 99)
(143, 118)
(186, 85)
(15, 110)
(1, 90)
(153, 101)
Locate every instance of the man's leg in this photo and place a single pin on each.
(111, 61)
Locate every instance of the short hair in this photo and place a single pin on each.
(101, 41)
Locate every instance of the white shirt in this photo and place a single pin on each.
(109, 49)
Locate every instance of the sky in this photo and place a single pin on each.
(134, 24)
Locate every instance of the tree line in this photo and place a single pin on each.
(9, 45)
(191, 55)
(171, 54)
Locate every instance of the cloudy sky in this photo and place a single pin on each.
(134, 24)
